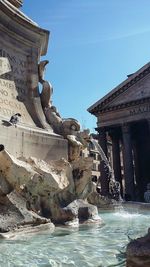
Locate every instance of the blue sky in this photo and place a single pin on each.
(93, 45)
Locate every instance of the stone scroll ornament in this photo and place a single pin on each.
(69, 128)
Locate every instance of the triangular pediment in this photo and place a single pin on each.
(136, 87)
(137, 91)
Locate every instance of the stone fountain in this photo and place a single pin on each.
(42, 177)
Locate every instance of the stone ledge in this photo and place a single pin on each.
(29, 229)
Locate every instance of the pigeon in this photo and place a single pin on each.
(15, 119)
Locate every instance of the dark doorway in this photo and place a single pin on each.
(141, 152)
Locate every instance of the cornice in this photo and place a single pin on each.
(123, 105)
(119, 90)
(16, 3)
(11, 10)
(16, 21)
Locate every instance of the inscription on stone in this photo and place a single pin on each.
(139, 110)
(14, 83)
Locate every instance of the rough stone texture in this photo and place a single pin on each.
(74, 147)
(138, 252)
(49, 188)
(82, 172)
(86, 212)
(78, 211)
(14, 213)
(34, 175)
(100, 201)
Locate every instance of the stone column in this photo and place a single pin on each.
(128, 163)
(104, 173)
(116, 157)
(139, 194)
(148, 122)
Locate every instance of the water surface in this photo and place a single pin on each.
(93, 246)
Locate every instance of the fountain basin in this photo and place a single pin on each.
(88, 245)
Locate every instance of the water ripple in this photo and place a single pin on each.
(84, 247)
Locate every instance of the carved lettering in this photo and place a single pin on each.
(6, 112)
(3, 92)
(15, 71)
(13, 66)
(10, 103)
(7, 84)
(13, 59)
(9, 112)
(139, 110)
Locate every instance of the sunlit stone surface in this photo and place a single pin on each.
(22, 43)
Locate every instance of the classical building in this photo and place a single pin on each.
(124, 115)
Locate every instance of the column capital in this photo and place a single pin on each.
(114, 134)
(125, 127)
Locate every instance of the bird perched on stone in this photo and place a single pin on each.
(15, 118)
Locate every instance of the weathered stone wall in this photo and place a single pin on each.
(22, 43)
(28, 142)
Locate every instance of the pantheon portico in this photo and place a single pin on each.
(124, 115)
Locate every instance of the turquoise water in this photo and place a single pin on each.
(87, 246)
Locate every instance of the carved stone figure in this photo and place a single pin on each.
(138, 252)
(47, 89)
(68, 128)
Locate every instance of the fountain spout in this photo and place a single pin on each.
(114, 186)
